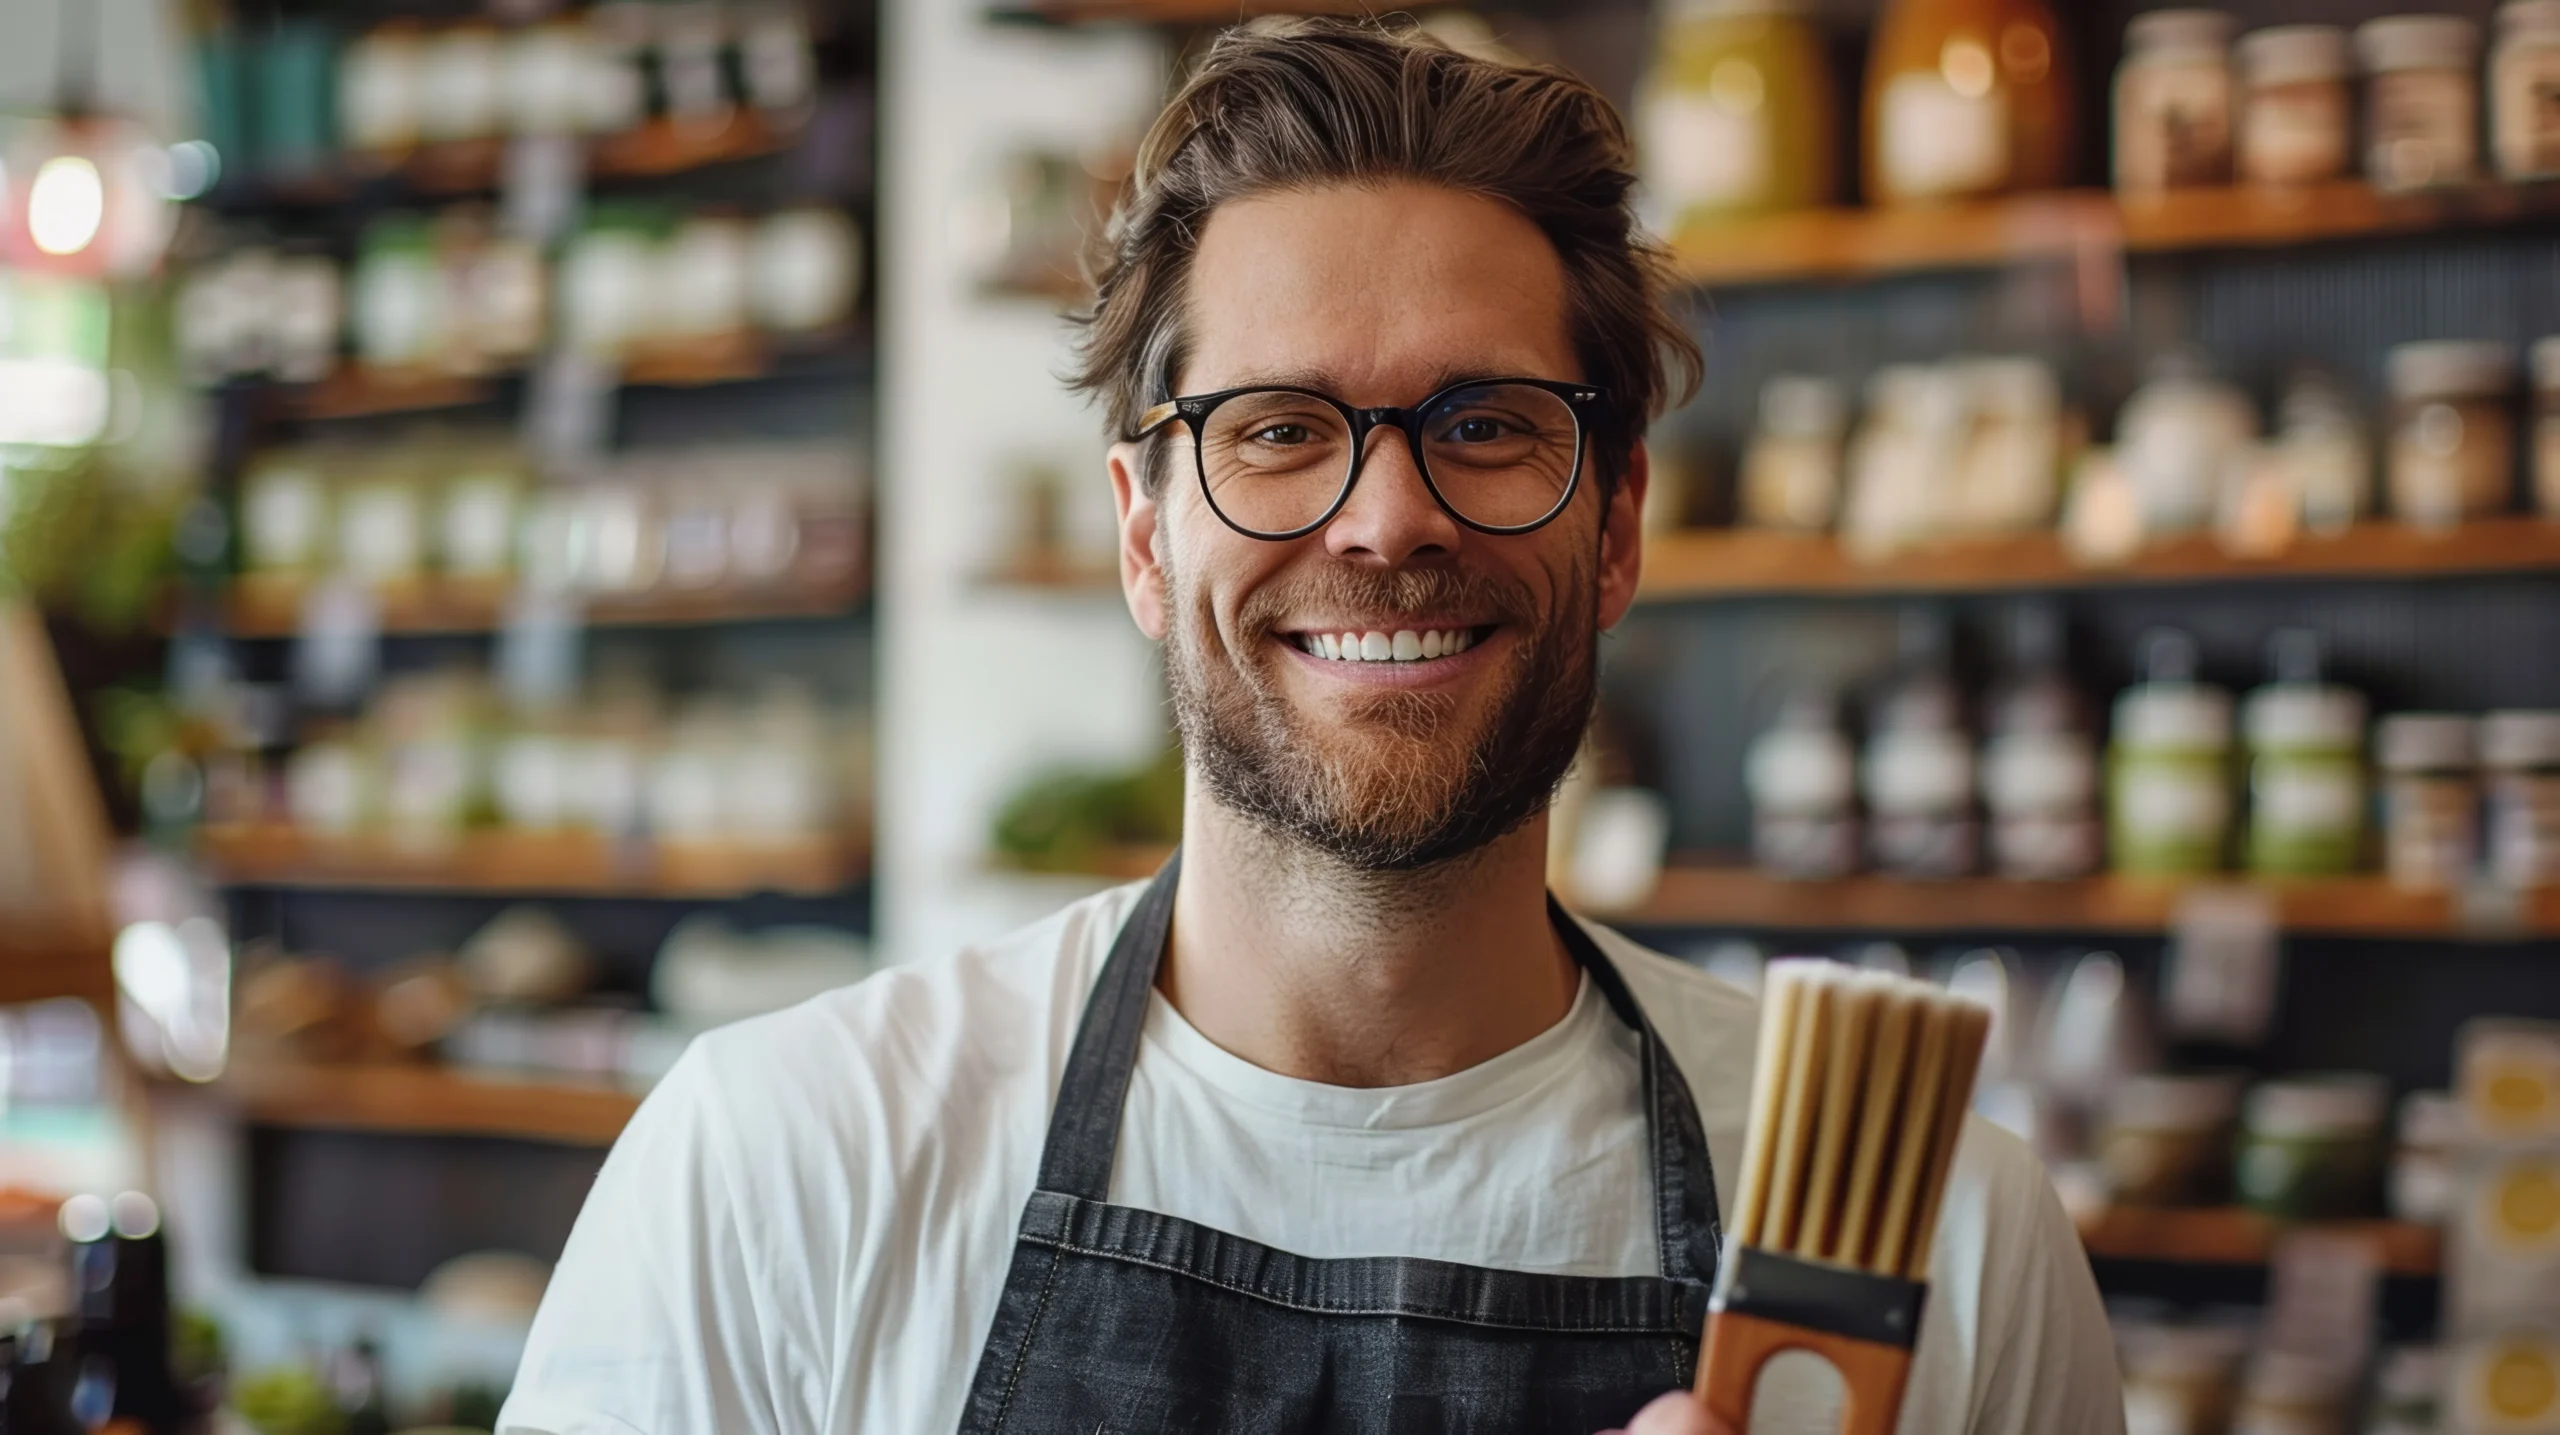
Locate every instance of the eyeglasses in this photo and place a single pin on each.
(1502, 456)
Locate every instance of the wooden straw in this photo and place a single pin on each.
(1797, 1114)
(1879, 1113)
(1843, 1066)
(1919, 1111)
(1971, 1026)
(1780, 989)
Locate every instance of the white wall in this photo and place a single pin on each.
(977, 687)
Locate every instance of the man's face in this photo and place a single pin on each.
(1379, 296)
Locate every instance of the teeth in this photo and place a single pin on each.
(1405, 645)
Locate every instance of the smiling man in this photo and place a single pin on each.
(1338, 1124)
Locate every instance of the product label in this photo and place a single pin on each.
(1919, 772)
(2039, 772)
(2423, 129)
(1701, 155)
(1937, 142)
(2173, 127)
(2306, 799)
(2524, 110)
(2168, 803)
(2294, 134)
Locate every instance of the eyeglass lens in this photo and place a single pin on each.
(1501, 455)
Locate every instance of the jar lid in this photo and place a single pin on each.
(2190, 716)
(2418, 42)
(2452, 368)
(2431, 1120)
(2182, 29)
(2521, 15)
(2304, 715)
(2342, 1103)
(2520, 738)
(2546, 352)
(1803, 406)
(2286, 54)
(2198, 1101)
(2424, 742)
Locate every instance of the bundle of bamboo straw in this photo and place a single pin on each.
(1858, 1099)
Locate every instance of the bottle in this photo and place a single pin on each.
(1739, 115)
(1801, 773)
(1918, 773)
(39, 1367)
(2040, 760)
(1966, 98)
(119, 1261)
(2306, 766)
(2168, 769)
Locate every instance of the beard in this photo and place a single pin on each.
(1410, 780)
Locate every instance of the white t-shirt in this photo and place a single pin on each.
(807, 1226)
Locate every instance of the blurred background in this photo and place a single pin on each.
(528, 530)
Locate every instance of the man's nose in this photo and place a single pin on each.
(1390, 517)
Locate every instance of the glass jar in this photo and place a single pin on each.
(1791, 474)
(1739, 115)
(2546, 427)
(1965, 97)
(2179, 439)
(2288, 1394)
(2321, 442)
(2422, 100)
(2007, 476)
(1802, 777)
(2452, 437)
(2424, 1176)
(2306, 768)
(2311, 1147)
(2520, 771)
(2296, 123)
(400, 301)
(2040, 762)
(1917, 775)
(2167, 1139)
(2173, 102)
(2430, 799)
(2180, 1380)
(2169, 768)
(805, 271)
(2524, 72)
(381, 80)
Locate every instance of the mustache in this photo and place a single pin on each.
(1338, 587)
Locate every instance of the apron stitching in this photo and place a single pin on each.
(1022, 1352)
(1431, 1314)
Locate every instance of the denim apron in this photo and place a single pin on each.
(1124, 1322)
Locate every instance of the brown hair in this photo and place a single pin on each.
(1301, 103)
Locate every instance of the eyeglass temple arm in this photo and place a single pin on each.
(1155, 418)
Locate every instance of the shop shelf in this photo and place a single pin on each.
(2226, 1236)
(429, 1101)
(1711, 895)
(1735, 562)
(360, 391)
(270, 608)
(546, 864)
(1836, 244)
(44, 957)
(1172, 12)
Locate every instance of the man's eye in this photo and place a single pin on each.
(1281, 435)
(1477, 430)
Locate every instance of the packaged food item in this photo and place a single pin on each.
(2311, 1147)
(2167, 1139)
(2008, 474)
(2546, 427)
(805, 270)
(2179, 1380)
(1791, 474)
(2320, 439)
(1901, 459)
(2508, 1071)
(2524, 73)
(381, 88)
(2452, 437)
(1802, 776)
(2169, 803)
(1965, 97)
(2296, 120)
(2502, 1268)
(461, 94)
(2520, 775)
(2292, 1394)
(2180, 441)
(1739, 115)
(2422, 100)
(285, 517)
(2425, 1164)
(1917, 775)
(2040, 761)
(2306, 766)
(402, 319)
(2506, 1383)
(2174, 102)
(2430, 799)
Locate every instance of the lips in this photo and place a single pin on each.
(1388, 645)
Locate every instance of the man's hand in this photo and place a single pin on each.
(1678, 1413)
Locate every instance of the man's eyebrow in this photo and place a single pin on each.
(1325, 381)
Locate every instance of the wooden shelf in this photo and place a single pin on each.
(1832, 244)
(2226, 1236)
(1735, 562)
(530, 864)
(431, 1101)
(1173, 12)
(1703, 895)
(357, 391)
(272, 608)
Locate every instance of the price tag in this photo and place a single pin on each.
(2323, 1294)
(338, 649)
(2223, 964)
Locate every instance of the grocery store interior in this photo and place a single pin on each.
(530, 530)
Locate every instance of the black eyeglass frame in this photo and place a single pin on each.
(1588, 403)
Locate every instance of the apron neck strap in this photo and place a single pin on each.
(1084, 1124)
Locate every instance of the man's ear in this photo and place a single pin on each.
(1622, 538)
(1141, 575)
